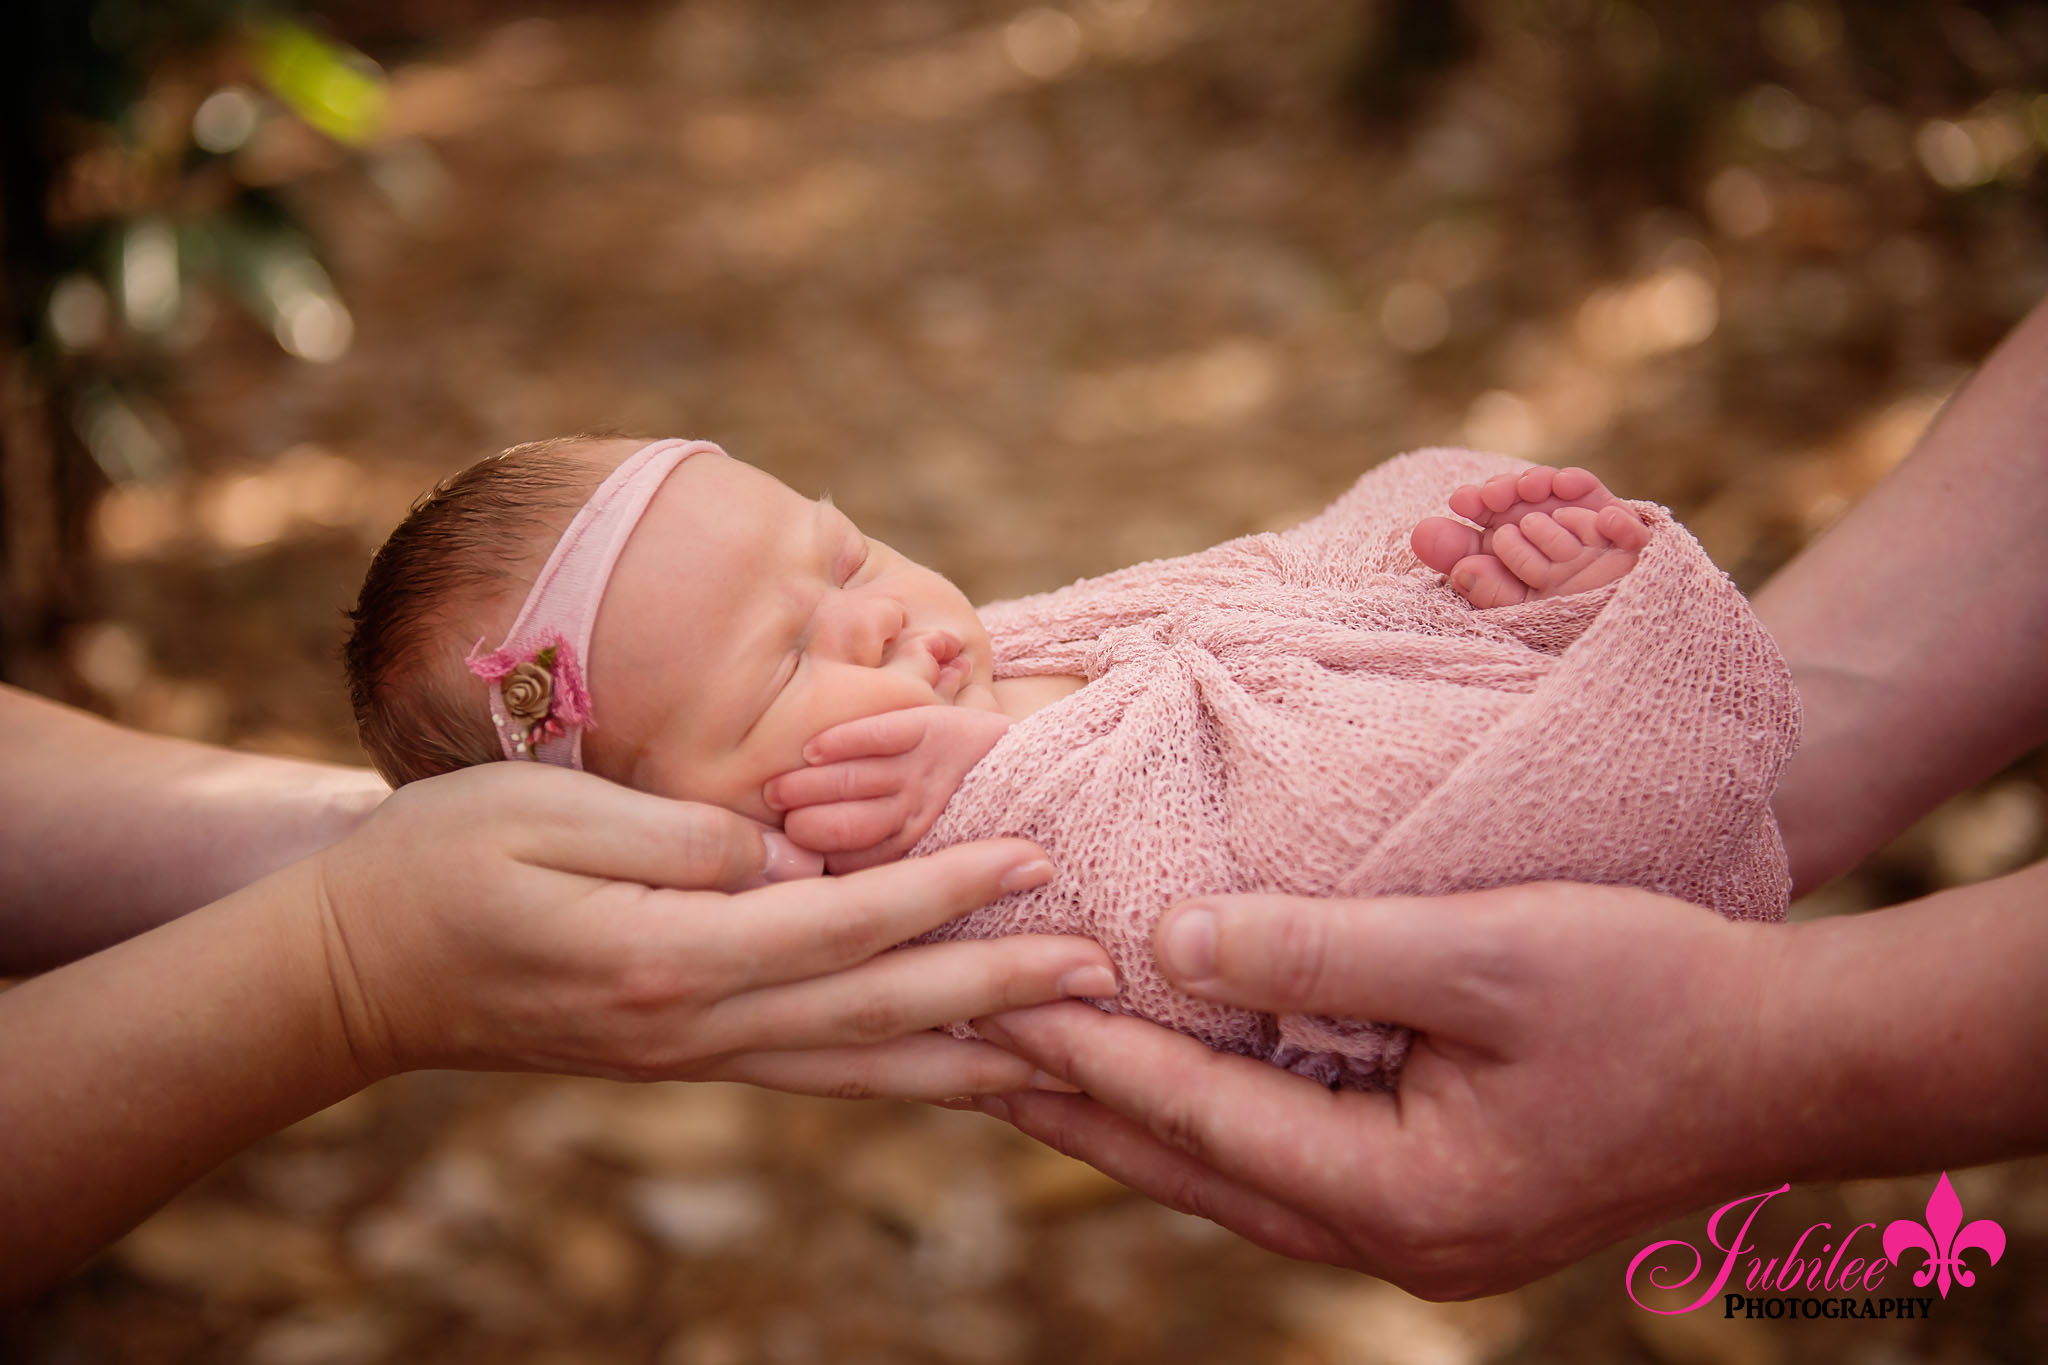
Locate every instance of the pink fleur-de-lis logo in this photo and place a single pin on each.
(1941, 1241)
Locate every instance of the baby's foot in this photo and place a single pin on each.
(1541, 533)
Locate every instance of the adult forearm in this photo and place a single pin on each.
(126, 1075)
(1908, 1039)
(1918, 626)
(107, 832)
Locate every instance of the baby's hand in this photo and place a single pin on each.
(876, 785)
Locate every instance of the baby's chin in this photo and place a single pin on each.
(975, 696)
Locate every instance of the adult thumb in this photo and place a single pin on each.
(1400, 959)
(598, 829)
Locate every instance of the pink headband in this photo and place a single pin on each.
(540, 703)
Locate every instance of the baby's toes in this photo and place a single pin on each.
(1533, 485)
(1622, 528)
(1484, 581)
(1440, 542)
(1499, 493)
(1466, 501)
(1573, 484)
(1529, 564)
(1551, 534)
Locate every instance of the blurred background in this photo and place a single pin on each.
(1036, 291)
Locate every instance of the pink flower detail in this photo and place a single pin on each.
(572, 696)
(1943, 1239)
(495, 665)
(568, 696)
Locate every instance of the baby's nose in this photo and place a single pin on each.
(861, 627)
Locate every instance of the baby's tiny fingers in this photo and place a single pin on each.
(853, 780)
(845, 826)
(879, 736)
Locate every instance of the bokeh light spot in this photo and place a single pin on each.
(1415, 317)
(1503, 422)
(225, 119)
(1775, 118)
(1950, 155)
(1739, 202)
(78, 312)
(1043, 43)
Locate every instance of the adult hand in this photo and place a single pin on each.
(1577, 1048)
(515, 917)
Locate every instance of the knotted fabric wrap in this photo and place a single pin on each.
(561, 610)
(1314, 712)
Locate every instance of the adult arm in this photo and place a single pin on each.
(508, 917)
(1593, 1060)
(106, 832)
(1917, 627)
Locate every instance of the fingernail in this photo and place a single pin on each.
(768, 799)
(1096, 983)
(787, 862)
(1028, 875)
(995, 1107)
(811, 753)
(1189, 945)
(1045, 1080)
(994, 1032)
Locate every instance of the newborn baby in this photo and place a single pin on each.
(1312, 711)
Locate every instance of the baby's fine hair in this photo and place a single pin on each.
(477, 533)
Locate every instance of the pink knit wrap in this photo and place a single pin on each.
(1313, 712)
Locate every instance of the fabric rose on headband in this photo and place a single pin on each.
(542, 713)
(543, 694)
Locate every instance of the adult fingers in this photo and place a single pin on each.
(803, 929)
(786, 861)
(1125, 1152)
(921, 1066)
(1439, 964)
(907, 991)
(877, 736)
(599, 829)
(871, 855)
(1261, 1126)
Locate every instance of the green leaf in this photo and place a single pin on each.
(332, 87)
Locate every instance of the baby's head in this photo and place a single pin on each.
(737, 621)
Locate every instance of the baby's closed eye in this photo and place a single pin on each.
(852, 560)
